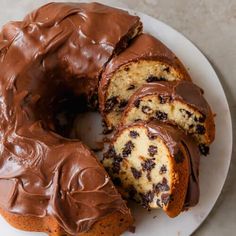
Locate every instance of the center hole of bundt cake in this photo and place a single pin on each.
(64, 104)
(65, 108)
(71, 116)
(59, 111)
(88, 128)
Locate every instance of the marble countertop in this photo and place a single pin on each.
(210, 25)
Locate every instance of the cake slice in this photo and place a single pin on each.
(146, 60)
(155, 164)
(180, 103)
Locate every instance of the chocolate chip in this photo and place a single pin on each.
(111, 153)
(152, 78)
(164, 180)
(123, 103)
(126, 68)
(107, 131)
(204, 149)
(116, 164)
(137, 103)
(131, 87)
(118, 158)
(151, 136)
(161, 115)
(200, 119)
(137, 174)
(166, 69)
(185, 112)
(191, 126)
(149, 176)
(148, 165)
(162, 187)
(164, 98)
(165, 198)
(152, 150)
(117, 181)
(146, 110)
(179, 157)
(163, 169)
(133, 134)
(200, 129)
(136, 120)
(107, 169)
(116, 167)
(147, 198)
(132, 191)
(127, 149)
(110, 103)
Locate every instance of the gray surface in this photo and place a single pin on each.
(211, 25)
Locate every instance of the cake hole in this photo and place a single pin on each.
(88, 128)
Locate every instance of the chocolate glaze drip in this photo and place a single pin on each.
(173, 138)
(46, 62)
(181, 90)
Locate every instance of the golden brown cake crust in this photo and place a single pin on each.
(117, 220)
(180, 176)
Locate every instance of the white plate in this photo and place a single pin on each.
(214, 168)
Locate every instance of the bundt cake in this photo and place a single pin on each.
(177, 102)
(156, 165)
(146, 60)
(49, 68)
(60, 61)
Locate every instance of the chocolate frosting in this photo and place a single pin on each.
(173, 139)
(55, 54)
(143, 47)
(182, 90)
